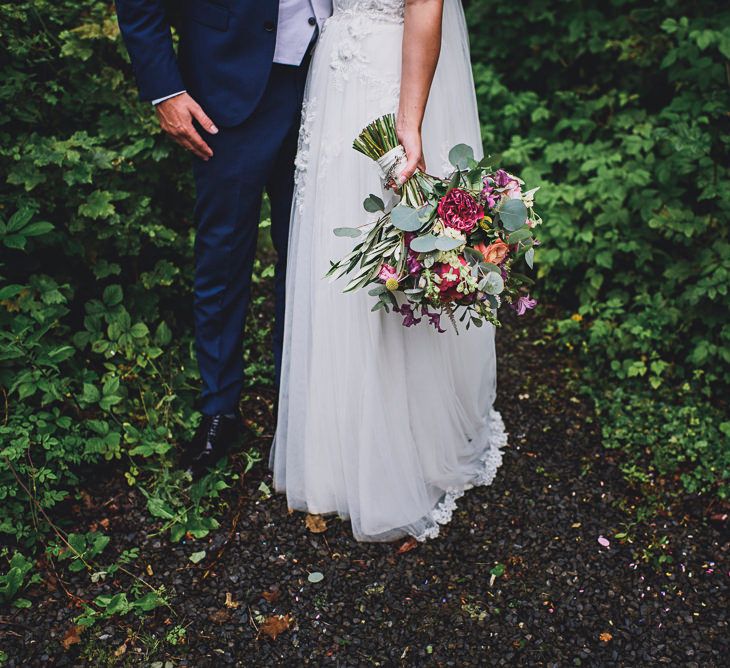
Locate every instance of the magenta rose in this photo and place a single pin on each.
(460, 211)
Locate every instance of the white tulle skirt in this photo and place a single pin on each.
(381, 424)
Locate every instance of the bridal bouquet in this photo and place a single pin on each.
(448, 246)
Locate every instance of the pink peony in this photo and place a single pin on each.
(460, 211)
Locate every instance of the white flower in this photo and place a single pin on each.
(451, 233)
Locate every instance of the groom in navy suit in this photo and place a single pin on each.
(232, 96)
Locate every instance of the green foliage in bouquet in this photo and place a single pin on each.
(619, 111)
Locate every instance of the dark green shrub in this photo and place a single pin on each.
(619, 110)
(95, 350)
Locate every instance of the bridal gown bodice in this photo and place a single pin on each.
(387, 9)
(384, 425)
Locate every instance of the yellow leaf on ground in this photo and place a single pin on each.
(230, 603)
(605, 637)
(316, 523)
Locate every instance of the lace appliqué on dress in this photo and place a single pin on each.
(383, 10)
(490, 462)
(357, 20)
(301, 163)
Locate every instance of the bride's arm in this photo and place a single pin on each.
(421, 48)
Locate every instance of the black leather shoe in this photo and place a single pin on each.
(212, 440)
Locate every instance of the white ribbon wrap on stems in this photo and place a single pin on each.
(391, 164)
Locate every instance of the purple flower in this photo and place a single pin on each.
(488, 196)
(524, 303)
(413, 264)
(510, 184)
(409, 318)
(502, 178)
(434, 318)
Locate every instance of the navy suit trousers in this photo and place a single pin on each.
(250, 158)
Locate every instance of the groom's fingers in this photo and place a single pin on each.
(197, 145)
(202, 118)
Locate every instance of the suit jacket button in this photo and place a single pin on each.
(312, 21)
(269, 26)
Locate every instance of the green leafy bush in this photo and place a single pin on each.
(16, 579)
(619, 111)
(96, 358)
(95, 351)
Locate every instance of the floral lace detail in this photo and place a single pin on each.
(301, 163)
(490, 462)
(386, 10)
(358, 19)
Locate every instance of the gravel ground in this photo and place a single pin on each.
(529, 572)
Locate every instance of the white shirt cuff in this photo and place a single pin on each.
(167, 97)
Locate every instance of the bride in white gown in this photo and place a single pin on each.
(381, 424)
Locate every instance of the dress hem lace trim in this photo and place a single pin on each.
(491, 460)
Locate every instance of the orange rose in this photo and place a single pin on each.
(495, 252)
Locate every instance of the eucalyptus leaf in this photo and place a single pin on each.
(405, 218)
(530, 257)
(492, 283)
(347, 232)
(460, 155)
(455, 181)
(490, 266)
(447, 243)
(424, 244)
(513, 214)
(426, 212)
(373, 204)
(519, 235)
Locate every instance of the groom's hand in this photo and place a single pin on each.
(176, 116)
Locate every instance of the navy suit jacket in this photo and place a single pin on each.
(224, 57)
